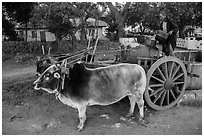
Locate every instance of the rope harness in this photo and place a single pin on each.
(58, 90)
(60, 84)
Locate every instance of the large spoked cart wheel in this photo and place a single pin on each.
(166, 82)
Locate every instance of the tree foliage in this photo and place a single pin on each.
(148, 17)
(184, 13)
(8, 29)
(20, 12)
(64, 19)
(116, 18)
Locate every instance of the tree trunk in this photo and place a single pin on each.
(120, 30)
(26, 31)
(120, 18)
(181, 32)
(74, 46)
(83, 35)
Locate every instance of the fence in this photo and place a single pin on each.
(189, 43)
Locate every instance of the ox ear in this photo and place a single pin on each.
(52, 60)
(39, 58)
(56, 75)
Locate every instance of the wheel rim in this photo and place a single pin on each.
(166, 82)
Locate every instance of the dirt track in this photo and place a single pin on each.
(25, 111)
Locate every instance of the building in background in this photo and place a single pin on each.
(42, 33)
(95, 28)
(36, 34)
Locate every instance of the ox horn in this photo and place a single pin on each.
(64, 66)
(52, 60)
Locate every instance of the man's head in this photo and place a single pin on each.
(162, 15)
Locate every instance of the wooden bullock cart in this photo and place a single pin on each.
(168, 77)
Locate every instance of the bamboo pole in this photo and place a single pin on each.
(89, 43)
(63, 77)
(49, 51)
(94, 50)
(43, 49)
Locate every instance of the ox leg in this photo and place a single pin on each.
(132, 99)
(140, 104)
(82, 117)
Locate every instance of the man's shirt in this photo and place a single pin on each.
(164, 26)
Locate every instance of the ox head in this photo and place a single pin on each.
(49, 80)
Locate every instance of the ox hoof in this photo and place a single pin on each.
(129, 115)
(142, 121)
(80, 127)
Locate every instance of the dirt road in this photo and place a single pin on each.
(25, 111)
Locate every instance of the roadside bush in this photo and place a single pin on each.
(24, 57)
(6, 56)
(14, 47)
(22, 49)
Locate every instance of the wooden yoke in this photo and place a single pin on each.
(63, 75)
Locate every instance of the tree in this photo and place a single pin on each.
(21, 12)
(64, 19)
(148, 17)
(116, 17)
(8, 27)
(51, 15)
(185, 13)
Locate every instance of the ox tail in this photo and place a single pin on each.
(142, 79)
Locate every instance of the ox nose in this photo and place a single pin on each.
(36, 85)
(36, 82)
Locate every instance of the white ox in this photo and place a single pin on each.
(100, 86)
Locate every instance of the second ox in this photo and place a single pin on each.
(43, 63)
(100, 86)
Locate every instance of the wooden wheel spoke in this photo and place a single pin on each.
(172, 94)
(170, 71)
(178, 76)
(155, 100)
(156, 91)
(167, 96)
(177, 83)
(162, 99)
(162, 75)
(166, 70)
(158, 79)
(175, 72)
(156, 85)
(177, 90)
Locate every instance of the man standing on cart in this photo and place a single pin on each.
(169, 26)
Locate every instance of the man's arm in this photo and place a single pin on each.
(174, 27)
